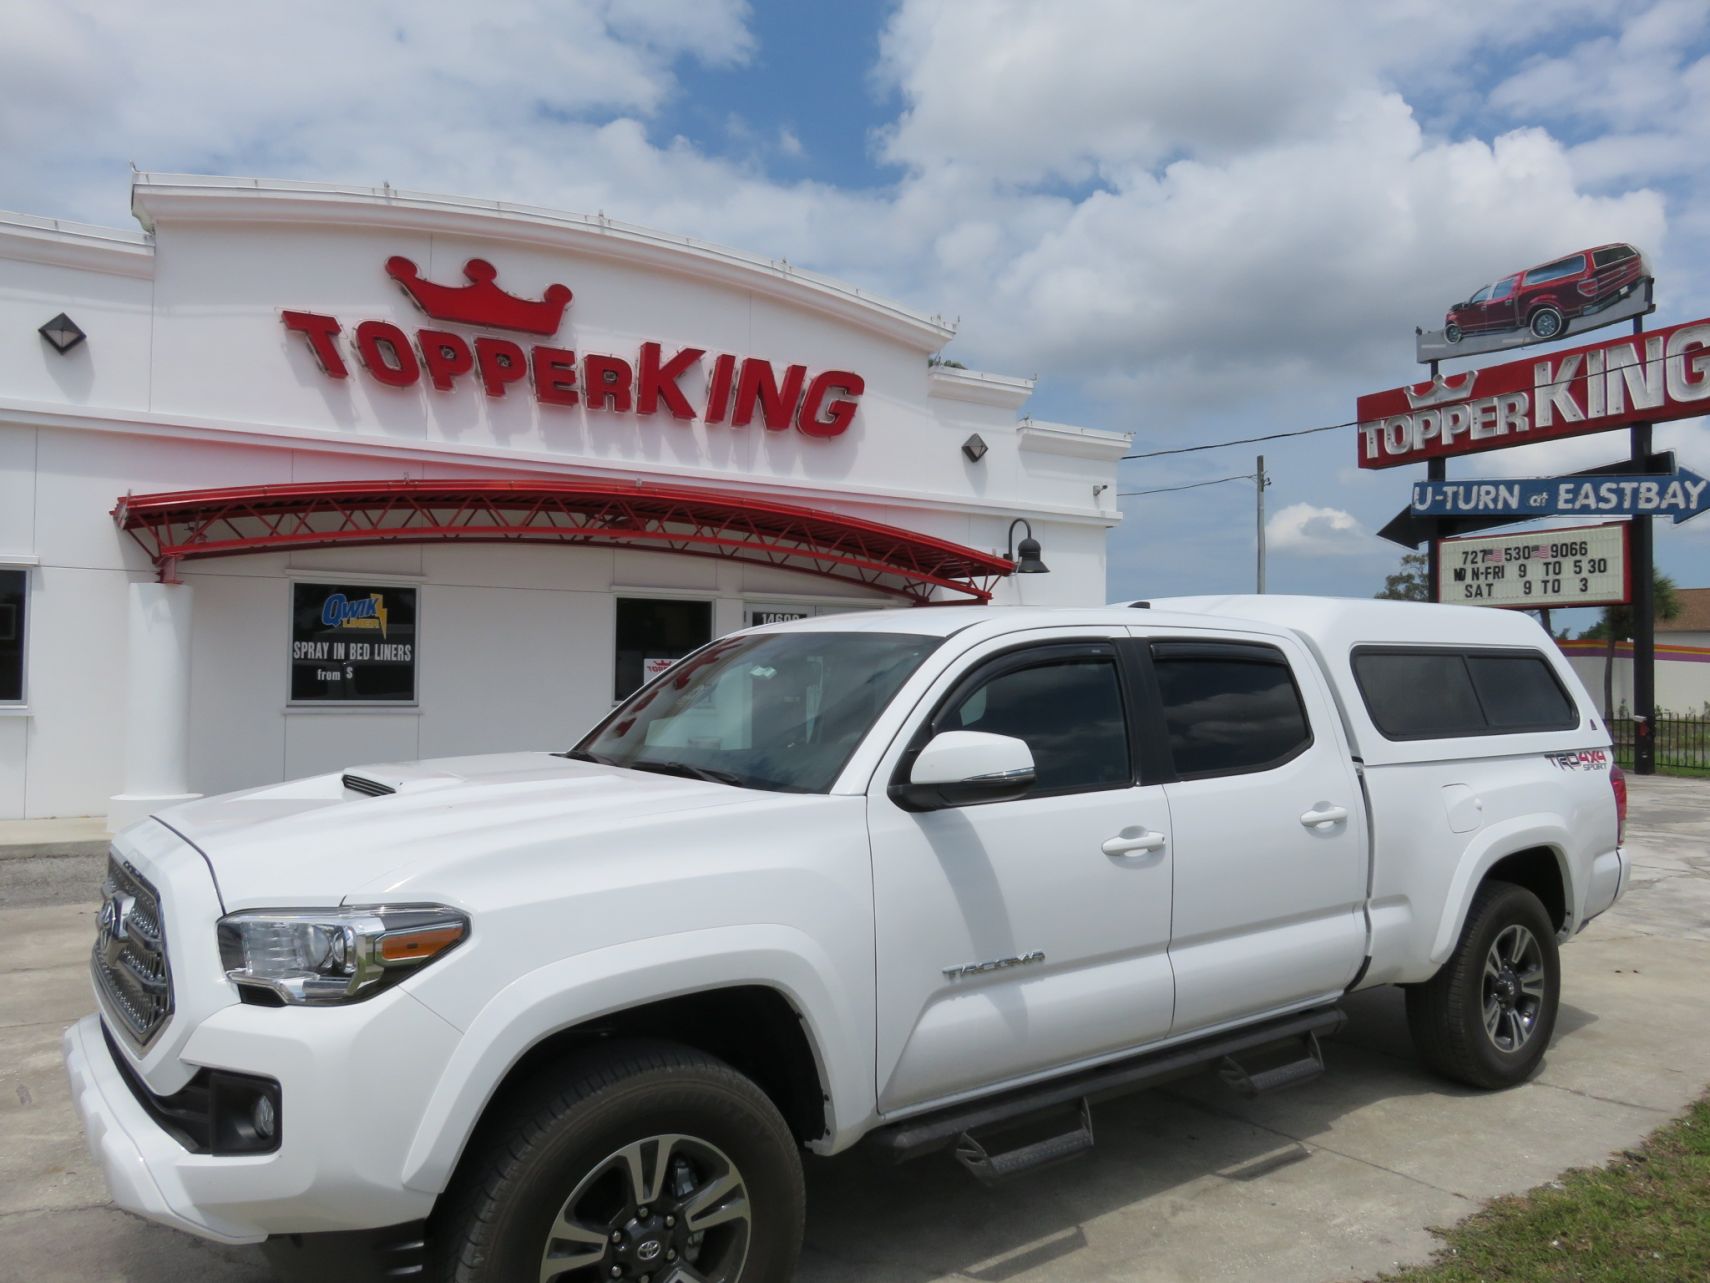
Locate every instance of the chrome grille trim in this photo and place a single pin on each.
(133, 978)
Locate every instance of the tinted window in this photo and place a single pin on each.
(1557, 271)
(1519, 692)
(1504, 288)
(353, 643)
(1419, 694)
(12, 584)
(1614, 254)
(1227, 715)
(1444, 694)
(1481, 296)
(1070, 714)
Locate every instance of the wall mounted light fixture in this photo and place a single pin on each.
(1025, 555)
(63, 333)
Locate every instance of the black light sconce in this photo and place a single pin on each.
(62, 332)
(975, 448)
(1025, 555)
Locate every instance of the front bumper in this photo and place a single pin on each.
(136, 1157)
(354, 1082)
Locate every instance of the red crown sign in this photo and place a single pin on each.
(481, 302)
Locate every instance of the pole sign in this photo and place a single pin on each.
(1681, 495)
(1659, 375)
(1580, 566)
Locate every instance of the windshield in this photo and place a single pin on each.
(779, 711)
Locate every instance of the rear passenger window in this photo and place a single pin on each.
(1452, 694)
(1520, 693)
(1070, 714)
(1229, 709)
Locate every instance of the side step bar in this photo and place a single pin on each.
(1306, 1063)
(929, 1133)
(989, 1168)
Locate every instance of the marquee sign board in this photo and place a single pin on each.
(1648, 378)
(1537, 569)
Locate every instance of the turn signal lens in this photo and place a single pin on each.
(1618, 782)
(401, 947)
(311, 957)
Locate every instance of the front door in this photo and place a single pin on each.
(1269, 841)
(1015, 937)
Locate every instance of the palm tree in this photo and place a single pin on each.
(1617, 623)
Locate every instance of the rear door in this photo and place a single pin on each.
(1025, 935)
(1268, 830)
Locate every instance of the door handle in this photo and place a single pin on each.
(1317, 819)
(1128, 842)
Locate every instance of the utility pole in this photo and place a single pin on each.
(1644, 617)
(1260, 481)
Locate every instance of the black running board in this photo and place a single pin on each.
(929, 1133)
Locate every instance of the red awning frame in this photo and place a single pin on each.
(187, 525)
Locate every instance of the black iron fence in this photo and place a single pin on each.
(1682, 742)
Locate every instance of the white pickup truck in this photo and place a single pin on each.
(929, 879)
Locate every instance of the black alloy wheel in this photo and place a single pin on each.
(1547, 323)
(1452, 333)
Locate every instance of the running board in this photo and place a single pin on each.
(929, 1133)
(1307, 1063)
(989, 1168)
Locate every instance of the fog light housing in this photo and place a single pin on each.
(265, 1117)
(244, 1113)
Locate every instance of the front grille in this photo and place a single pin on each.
(132, 975)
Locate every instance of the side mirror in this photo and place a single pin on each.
(960, 768)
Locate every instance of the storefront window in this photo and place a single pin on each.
(353, 644)
(12, 586)
(652, 634)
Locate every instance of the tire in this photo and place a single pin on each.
(719, 1168)
(1452, 333)
(1547, 323)
(1488, 1026)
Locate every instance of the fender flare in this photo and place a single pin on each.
(578, 989)
(1497, 843)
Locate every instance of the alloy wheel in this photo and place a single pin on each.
(1513, 989)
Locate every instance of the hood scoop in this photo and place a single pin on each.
(367, 787)
(381, 779)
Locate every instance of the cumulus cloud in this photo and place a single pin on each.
(1309, 529)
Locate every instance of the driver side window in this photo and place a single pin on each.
(1068, 711)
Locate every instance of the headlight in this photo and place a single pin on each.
(319, 956)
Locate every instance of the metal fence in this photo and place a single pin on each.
(1682, 743)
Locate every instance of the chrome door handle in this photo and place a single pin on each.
(1125, 844)
(1328, 815)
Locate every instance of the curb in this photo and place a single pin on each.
(52, 850)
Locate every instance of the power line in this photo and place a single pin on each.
(1609, 369)
(1195, 485)
(1219, 445)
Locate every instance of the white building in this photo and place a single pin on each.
(526, 458)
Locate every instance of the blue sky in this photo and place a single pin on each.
(1190, 221)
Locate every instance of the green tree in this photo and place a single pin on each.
(1616, 625)
(1412, 582)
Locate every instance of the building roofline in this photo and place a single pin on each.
(207, 198)
(115, 250)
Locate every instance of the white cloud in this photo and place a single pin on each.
(1309, 529)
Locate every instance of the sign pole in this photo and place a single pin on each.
(1435, 470)
(1259, 482)
(1644, 618)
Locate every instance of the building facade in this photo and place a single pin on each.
(301, 476)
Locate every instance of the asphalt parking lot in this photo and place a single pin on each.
(1339, 1179)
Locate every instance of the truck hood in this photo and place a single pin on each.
(321, 840)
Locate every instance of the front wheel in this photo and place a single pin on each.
(643, 1161)
(1452, 333)
(1486, 1018)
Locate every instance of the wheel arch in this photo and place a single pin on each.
(1532, 855)
(767, 1011)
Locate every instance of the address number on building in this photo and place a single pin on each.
(1578, 566)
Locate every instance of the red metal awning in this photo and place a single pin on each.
(186, 524)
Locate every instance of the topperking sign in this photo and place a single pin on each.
(1662, 374)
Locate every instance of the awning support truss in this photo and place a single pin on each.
(191, 524)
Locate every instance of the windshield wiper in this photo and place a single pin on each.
(690, 772)
(583, 755)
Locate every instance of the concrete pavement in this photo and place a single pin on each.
(1339, 1179)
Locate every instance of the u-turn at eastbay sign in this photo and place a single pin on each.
(1680, 495)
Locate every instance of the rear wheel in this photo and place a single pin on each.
(645, 1161)
(1486, 1018)
(1547, 322)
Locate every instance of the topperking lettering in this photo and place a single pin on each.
(1654, 377)
(735, 390)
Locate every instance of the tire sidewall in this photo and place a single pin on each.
(649, 1105)
(1542, 312)
(1514, 906)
